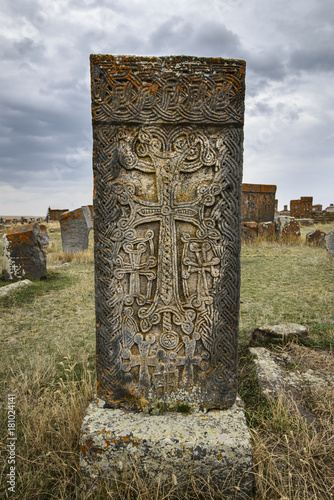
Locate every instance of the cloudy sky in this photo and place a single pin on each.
(45, 122)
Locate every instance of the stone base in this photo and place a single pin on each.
(167, 449)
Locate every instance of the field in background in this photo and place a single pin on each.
(48, 337)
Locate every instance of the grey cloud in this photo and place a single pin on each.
(208, 39)
(313, 60)
(21, 48)
(267, 65)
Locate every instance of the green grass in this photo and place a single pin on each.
(48, 345)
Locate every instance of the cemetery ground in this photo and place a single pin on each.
(48, 363)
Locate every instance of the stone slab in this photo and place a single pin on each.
(279, 333)
(316, 237)
(330, 242)
(167, 161)
(4, 290)
(75, 227)
(258, 202)
(168, 448)
(23, 254)
(274, 378)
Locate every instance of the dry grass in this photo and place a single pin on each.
(292, 459)
(47, 335)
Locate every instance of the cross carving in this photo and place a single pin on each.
(135, 268)
(202, 264)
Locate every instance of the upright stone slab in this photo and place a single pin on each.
(258, 202)
(301, 209)
(23, 253)
(75, 227)
(168, 137)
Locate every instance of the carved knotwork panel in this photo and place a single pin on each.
(167, 241)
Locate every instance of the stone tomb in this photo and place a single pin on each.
(23, 253)
(75, 227)
(168, 136)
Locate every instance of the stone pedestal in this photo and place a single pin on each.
(169, 448)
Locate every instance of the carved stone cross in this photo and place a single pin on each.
(168, 138)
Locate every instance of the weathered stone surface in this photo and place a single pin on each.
(266, 229)
(329, 238)
(4, 290)
(23, 254)
(270, 375)
(316, 237)
(249, 230)
(169, 448)
(287, 226)
(258, 202)
(75, 227)
(45, 240)
(167, 167)
(54, 214)
(274, 377)
(279, 333)
(301, 209)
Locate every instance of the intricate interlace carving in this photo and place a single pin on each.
(157, 90)
(167, 237)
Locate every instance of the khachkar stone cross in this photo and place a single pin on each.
(168, 136)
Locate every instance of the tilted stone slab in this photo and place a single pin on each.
(4, 290)
(75, 227)
(287, 226)
(329, 238)
(169, 448)
(168, 136)
(23, 254)
(316, 237)
(279, 333)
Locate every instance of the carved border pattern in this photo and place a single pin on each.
(154, 90)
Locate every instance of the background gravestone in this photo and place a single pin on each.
(54, 214)
(258, 202)
(75, 227)
(23, 253)
(301, 209)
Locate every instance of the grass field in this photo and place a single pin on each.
(48, 362)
